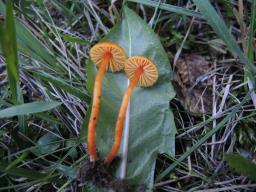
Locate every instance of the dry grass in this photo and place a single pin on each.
(67, 30)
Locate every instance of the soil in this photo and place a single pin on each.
(97, 173)
(193, 83)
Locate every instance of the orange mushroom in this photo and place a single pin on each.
(106, 56)
(142, 72)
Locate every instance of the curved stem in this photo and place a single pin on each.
(96, 109)
(121, 117)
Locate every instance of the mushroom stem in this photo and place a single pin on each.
(96, 108)
(121, 117)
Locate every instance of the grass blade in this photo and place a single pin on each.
(9, 48)
(221, 29)
(28, 108)
(203, 139)
(241, 165)
(32, 175)
(17, 161)
(167, 7)
(30, 45)
(58, 82)
(250, 48)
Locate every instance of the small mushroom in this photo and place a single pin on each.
(106, 56)
(142, 72)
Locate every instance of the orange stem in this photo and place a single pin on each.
(121, 117)
(96, 109)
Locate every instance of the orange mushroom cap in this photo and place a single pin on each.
(150, 72)
(102, 49)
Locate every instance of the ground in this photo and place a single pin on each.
(213, 75)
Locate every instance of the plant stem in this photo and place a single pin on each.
(96, 108)
(121, 117)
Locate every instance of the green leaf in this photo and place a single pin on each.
(66, 170)
(250, 50)
(28, 108)
(241, 165)
(152, 128)
(46, 144)
(73, 39)
(9, 48)
(17, 161)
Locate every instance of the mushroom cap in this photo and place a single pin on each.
(150, 71)
(118, 56)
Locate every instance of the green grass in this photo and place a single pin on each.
(9, 47)
(44, 49)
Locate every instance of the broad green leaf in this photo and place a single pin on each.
(67, 170)
(28, 108)
(241, 165)
(72, 152)
(46, 144)
(152, 128)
